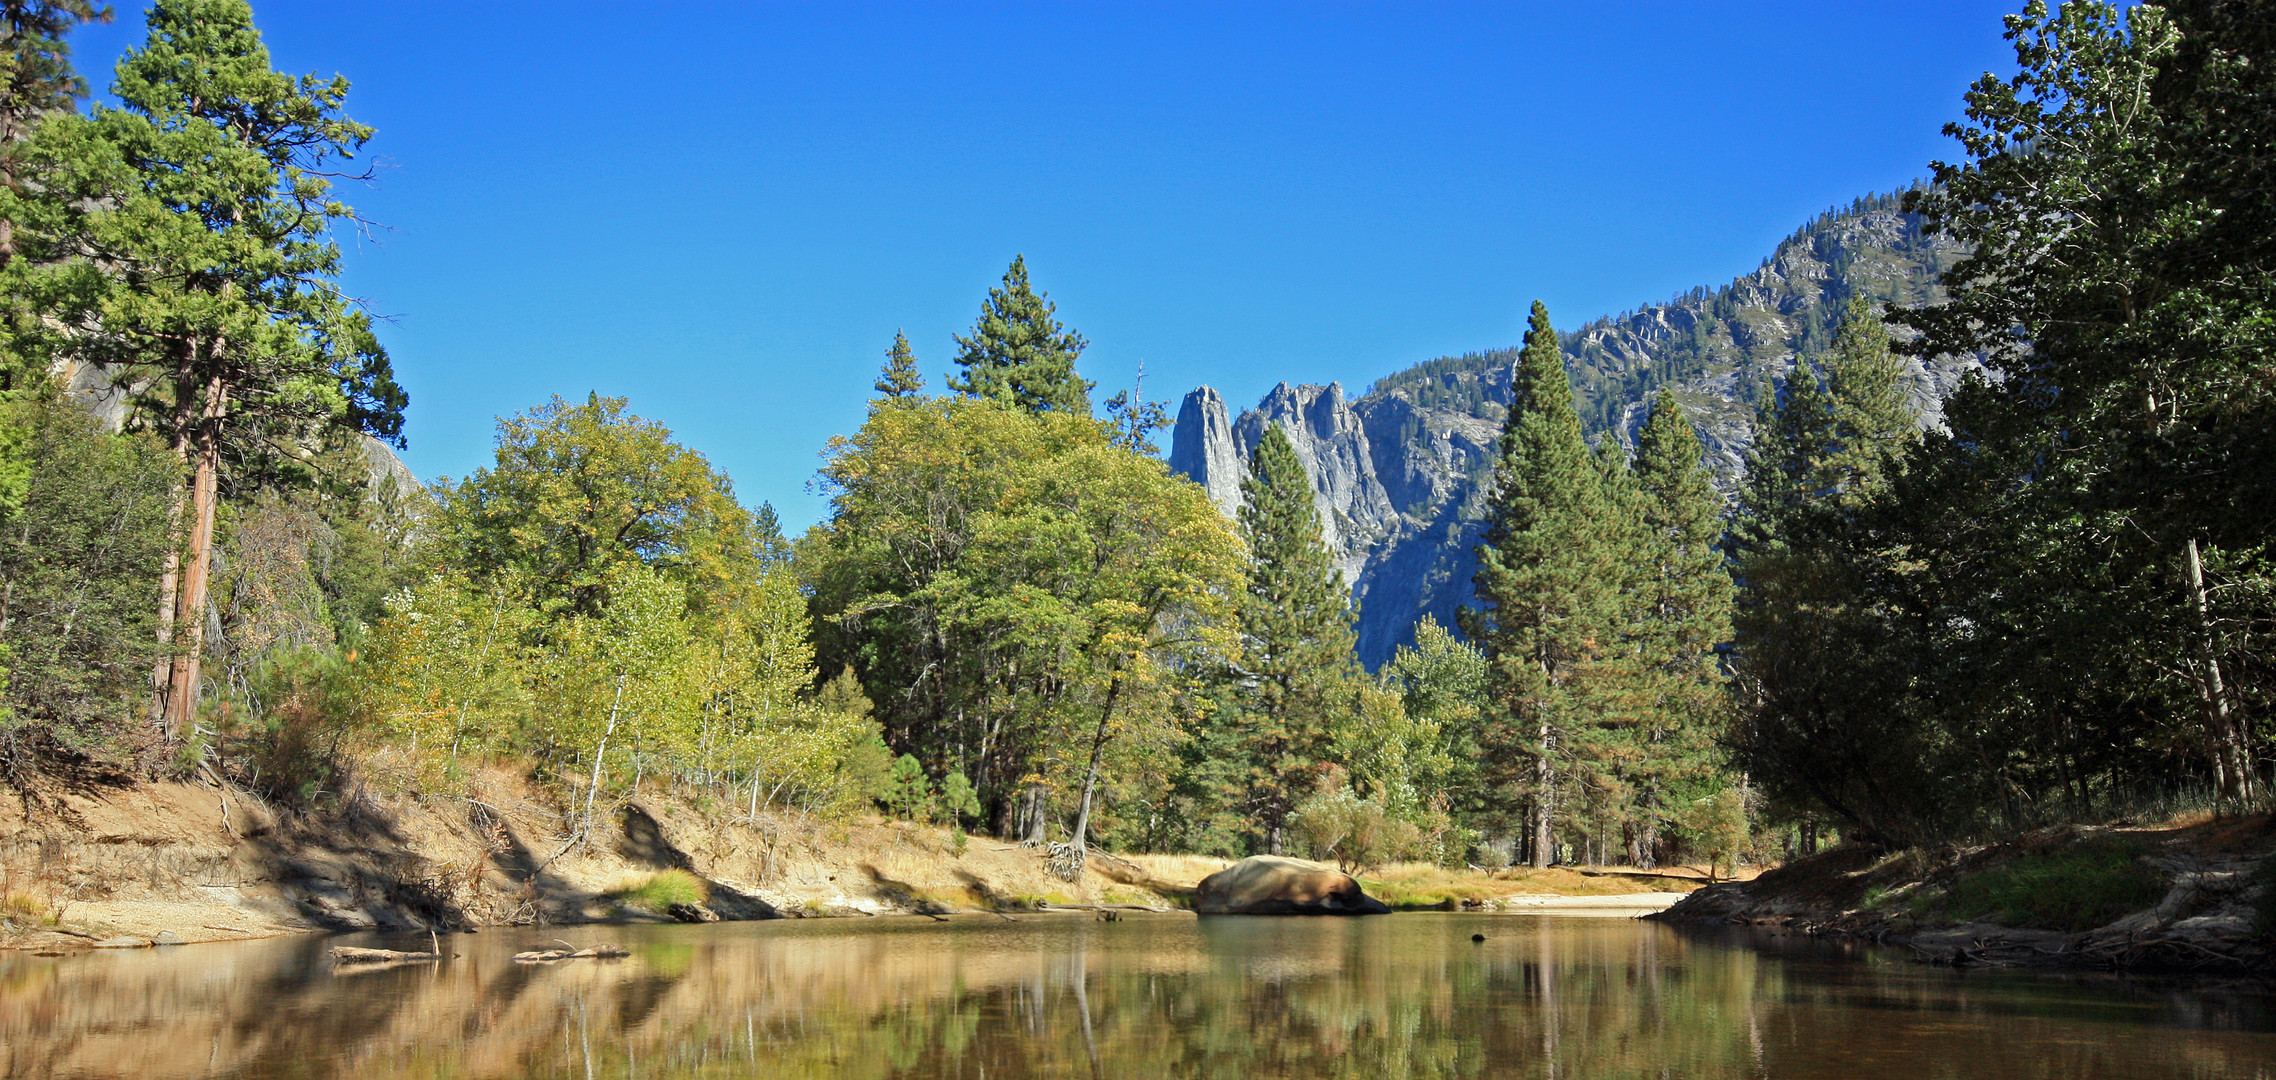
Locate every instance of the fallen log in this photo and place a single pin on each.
(349, 954)
(548, 956)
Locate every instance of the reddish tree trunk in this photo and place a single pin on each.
(189, 610)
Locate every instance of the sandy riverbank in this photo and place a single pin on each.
(189, 862)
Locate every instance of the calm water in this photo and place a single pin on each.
(1152, 997)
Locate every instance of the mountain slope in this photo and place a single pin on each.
(1399, 471)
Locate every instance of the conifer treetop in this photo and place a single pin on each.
(1019, 354)
(900, 377)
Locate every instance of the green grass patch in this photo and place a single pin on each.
(2077, 888)
(659, 891)
(1427, 896)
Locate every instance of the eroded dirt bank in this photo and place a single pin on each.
(195, 863)
(2195, 898)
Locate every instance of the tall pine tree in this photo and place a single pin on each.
(214, 200)
(1788, 466)
(1820, 679)
(1872, 420)
(900, 378)
(1296, 628)
(1684, 599)
(1019, 354)
(1547, 586)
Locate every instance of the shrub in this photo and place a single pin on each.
(304, 705)
(1358, 833)
(1718, 828)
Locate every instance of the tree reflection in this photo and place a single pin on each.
(1407, 996)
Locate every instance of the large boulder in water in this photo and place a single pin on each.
(1271, 885)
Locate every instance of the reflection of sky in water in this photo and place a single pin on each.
(1151, 996)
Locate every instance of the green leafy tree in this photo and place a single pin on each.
(1547, 584)
(448, 669)
(1018, 353)
(1298, 674)
(577, 493)
(2120, 279)
(1441, 682)
(1022, 596)
(622, 677)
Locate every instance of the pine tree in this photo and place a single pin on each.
(1788, 466)
(1806, 561)
(215, 202)
(1871, 420)
(36, 79)
(900, 378)
(766, 537)
(1296, 628)
(1019, 354)
(1685, 596)
(1548, 592)
(1609, 756)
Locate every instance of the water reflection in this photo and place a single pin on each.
(1149, 997)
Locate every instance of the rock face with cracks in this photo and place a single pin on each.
(1271, 885)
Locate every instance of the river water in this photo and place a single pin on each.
(1151, 997)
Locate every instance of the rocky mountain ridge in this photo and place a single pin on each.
(1399, 472)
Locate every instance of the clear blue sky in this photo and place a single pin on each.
(723, 211)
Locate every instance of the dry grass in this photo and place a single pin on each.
(1185, 871)
(24, 909)
(1426, 885)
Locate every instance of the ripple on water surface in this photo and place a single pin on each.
(1151, 996)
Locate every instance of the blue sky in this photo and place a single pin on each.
(724, 211)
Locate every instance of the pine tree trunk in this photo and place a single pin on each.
(2231, 748)
(1542, 803)
(189, 609)
(170, 587)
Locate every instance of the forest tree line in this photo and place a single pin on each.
(1016, 618)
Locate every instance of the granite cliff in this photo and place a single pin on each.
(1398, 472)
